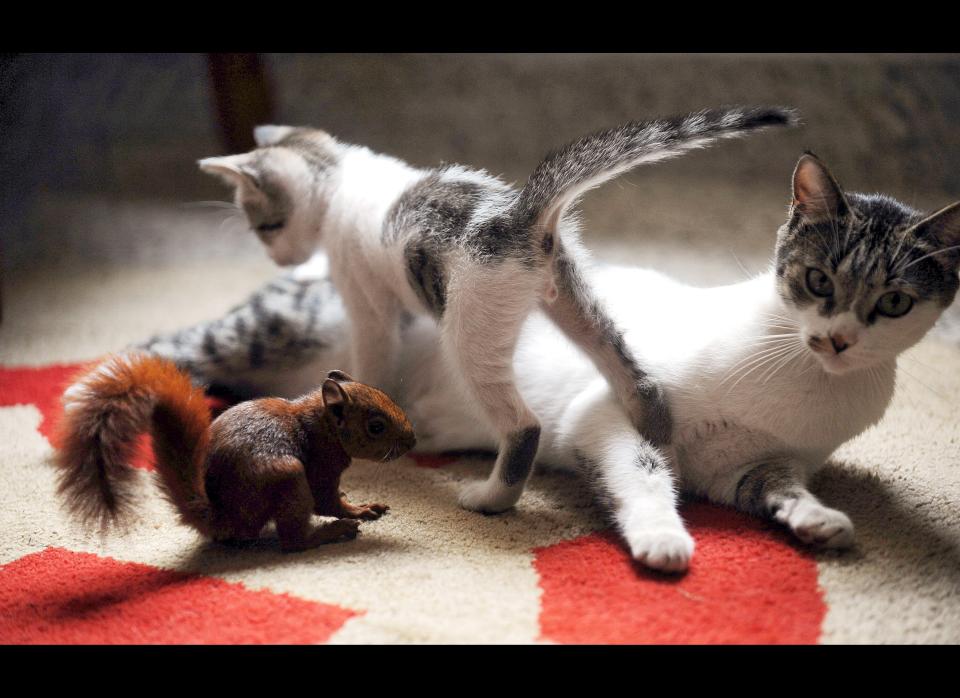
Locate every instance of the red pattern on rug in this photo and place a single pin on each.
(61, 597)
(747, 584)
(41, 386)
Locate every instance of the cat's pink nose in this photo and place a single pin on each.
(841, 343)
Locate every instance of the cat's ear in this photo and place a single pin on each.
(340, 377)
(942, 226)
(335, 400)
(269, 134)
(232, 169)
(816, 194)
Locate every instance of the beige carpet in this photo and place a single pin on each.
(431, 572)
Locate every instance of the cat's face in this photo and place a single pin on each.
(278, 187)
(865, 277)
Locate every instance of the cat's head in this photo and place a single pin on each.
(865, 276)
(279, 185)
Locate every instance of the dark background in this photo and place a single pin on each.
(98, 152)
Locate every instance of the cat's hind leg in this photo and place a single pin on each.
(631, 478)
(486, 308)
(775, 490)
(585, 320)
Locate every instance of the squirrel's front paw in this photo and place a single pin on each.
(344, 528)
(369, 512)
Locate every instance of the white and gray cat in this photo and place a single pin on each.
(765, 378)
(469, 251)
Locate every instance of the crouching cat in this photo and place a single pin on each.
(469, 251)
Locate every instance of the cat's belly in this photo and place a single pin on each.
(712, 455)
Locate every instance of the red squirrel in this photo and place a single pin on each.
(262, 460)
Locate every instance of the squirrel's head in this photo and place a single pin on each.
(370, 425)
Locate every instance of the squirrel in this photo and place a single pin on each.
(261, 460)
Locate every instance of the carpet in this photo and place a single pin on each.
(549, 571)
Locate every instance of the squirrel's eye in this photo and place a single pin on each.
(819, 283)
(894, 304)
(376, 426)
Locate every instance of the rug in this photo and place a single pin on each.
(548, 571)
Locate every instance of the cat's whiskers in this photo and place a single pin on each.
(798, 349)
(931, 254)
(755, 361)
(901, 370)
(229, 218)
(759, 366)
(211, 204)
(748, 361)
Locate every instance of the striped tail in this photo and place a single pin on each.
(566, 174)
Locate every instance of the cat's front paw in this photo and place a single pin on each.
(818, 525)
(665, 550)
(488, 498)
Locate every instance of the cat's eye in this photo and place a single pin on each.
(268, 227)
(819, 283)
(894, 304)
(376, 426)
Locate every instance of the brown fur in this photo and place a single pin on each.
(263, 460)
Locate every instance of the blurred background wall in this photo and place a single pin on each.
(98, 152)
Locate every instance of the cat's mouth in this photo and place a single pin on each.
(832, 361)
(835, 364)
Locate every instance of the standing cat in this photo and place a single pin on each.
(469, 250)
(766, 378)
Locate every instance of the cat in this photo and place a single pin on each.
(468, 250)
(768, 377)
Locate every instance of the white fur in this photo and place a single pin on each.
(743, 387)
(790, 409)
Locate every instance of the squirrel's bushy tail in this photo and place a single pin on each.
(566, 174)
(105, 411)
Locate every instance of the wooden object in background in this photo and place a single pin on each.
(242, 97)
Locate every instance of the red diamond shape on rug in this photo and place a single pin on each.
(42, 387)
(62, 597)
(747, 584)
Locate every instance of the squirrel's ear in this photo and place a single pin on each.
(340, 377)
(334, 399)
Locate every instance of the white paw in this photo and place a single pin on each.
(663, 549)
(818, 525)
(488, 498)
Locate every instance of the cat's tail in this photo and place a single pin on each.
(566, 174)
(105, 411)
